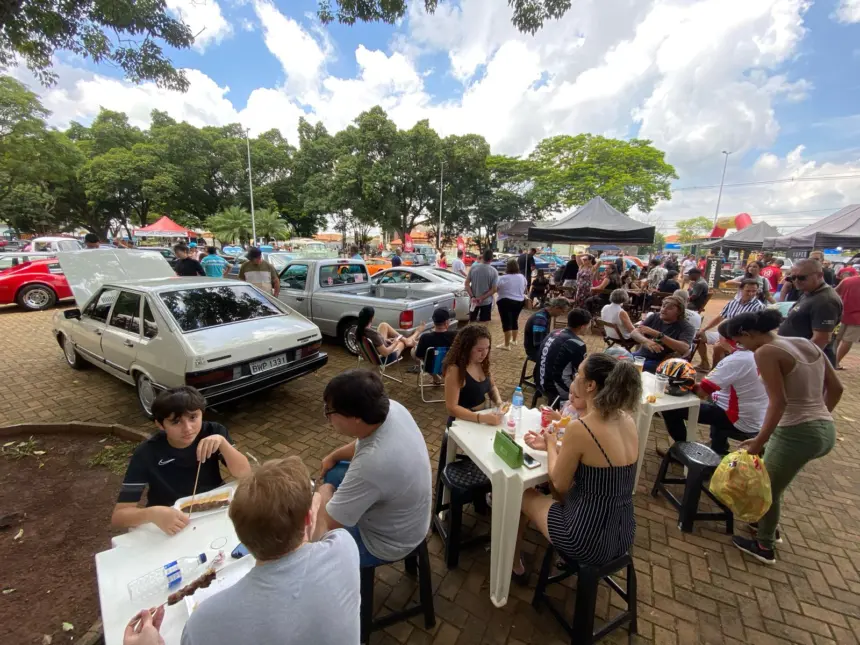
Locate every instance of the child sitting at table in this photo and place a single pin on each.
(166, 464)
(593, 471)
(540, 285)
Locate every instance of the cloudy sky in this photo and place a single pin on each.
(774, 82)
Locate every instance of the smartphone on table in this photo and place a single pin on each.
(529, 461)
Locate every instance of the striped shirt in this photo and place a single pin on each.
(735, 307)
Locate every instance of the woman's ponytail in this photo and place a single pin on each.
(619, 383)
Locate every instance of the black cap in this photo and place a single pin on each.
(695, 270)
(441, 315)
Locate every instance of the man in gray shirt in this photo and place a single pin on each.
(298, 592)
(698, 290)
(377, 486)
(481, 285)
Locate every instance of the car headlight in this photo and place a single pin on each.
(462, 293)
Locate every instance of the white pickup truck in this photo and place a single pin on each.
(331, 292)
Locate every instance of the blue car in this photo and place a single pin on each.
(279, 260)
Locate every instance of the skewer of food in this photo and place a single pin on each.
(200, 583)
(221, 500)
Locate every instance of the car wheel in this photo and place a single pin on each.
(145, 394)
(72, 357)
(347, 336)
(36, 297)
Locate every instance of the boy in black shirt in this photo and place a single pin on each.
(166, 463)
(440, 338)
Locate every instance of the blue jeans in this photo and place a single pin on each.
(365, 558)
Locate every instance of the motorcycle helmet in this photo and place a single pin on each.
(618, 352)
(681, 375)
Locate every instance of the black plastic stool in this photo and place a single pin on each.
(416, 562)
(531, 383)
(588, 578)
(700, 462)
(468, 485)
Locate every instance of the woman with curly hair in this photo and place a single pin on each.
(584, 280)
(468, 380)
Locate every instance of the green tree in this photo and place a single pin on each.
(570, 170)
(231, 224)
(121, 33)
(528, 15)
(270, 225)
(34, 160)
(693, 228)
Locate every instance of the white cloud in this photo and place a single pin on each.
(205, 19)
(790, 201)
(848, 11)
(300, 54)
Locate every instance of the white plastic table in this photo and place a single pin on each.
(647, 411)
(142, 551)
(476, 441)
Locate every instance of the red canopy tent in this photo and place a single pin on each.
(165, 227)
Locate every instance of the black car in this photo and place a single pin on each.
(166, 252)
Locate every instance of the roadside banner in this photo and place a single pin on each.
(407, 243)
(461, 243)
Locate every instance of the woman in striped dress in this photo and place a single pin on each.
(589, 516)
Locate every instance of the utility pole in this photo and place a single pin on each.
(720, 194)
(251, 188)
(441, 189)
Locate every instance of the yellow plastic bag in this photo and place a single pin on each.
(741, 482)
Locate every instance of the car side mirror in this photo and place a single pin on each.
(72, 314)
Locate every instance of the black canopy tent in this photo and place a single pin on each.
(748, 239)
(595, 221)
(840, 229)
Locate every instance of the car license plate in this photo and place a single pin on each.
(273, 362)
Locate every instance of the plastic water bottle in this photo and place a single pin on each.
(167, 579)
(516, 413)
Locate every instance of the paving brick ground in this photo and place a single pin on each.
(693, 588)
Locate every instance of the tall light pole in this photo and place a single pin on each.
(441, 189)
(720, 194)
(251, 187)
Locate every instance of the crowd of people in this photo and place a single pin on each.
(771, 384)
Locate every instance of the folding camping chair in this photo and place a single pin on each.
(602, 326)
(367, 352)
(434, 357)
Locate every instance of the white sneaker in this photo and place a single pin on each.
(507, 348)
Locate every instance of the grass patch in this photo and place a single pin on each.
(21, 449)
(114, 456)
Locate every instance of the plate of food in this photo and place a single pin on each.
(203, 504)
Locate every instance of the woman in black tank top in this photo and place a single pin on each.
(468, 381)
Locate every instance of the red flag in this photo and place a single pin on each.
(407, 243)
(461, 244)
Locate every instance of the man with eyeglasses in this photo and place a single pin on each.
(377, 486)
(818, 311)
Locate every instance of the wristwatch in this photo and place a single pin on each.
(659, 338)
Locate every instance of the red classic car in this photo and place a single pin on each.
(35, 285)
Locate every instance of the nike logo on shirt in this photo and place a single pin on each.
(164, 462)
